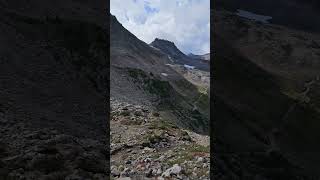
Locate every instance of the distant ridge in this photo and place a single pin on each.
(178, 56)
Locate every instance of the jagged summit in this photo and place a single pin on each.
(168, 47)
(164, 41)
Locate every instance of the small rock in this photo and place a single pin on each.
(125, 172)
(147, 149)
(138, 113)
(161, 158)
(159, 171)
(156, 114)
(124, 178)
(120, 168)
(149, 173)
(147, 160)
(128, 162)
(200, 159)
(174, 170)
(115, 172)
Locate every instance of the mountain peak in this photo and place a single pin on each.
(164, 45)
(169, 48)
(163, 42)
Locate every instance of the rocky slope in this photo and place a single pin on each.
(204, 57)
(199, 78)
(53, 84)
(145, 145)
(264, 76)
(140, 74)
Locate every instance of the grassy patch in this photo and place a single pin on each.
(161, 88)
(203, 90)
(151, 139)
(150, 83)
(136, 73)
(297, 96)
(188, 154)
(185, 156)
(199, 149)
(125, 113)
(163, 125)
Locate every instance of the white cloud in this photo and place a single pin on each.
(185, 22)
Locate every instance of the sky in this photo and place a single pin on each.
(184, 22)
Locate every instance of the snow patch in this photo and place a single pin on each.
(170, 58)
(188, 67)
(164, 74)
(253, 16)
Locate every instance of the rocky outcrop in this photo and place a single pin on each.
(145, 145)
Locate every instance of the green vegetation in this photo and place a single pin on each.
(155, 138)
(163, 125)
(161, 88)
(203, 90)
(136, 73)
(203, 101)
(181, 106)
(185, 156)
(296, 96)
(125, 113)
(199, 148)
(151, 84)
(188, 152)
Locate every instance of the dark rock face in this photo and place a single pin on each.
(53, 85)
(170, 48)
(248, 106)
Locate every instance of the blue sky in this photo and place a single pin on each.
(185, 22)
